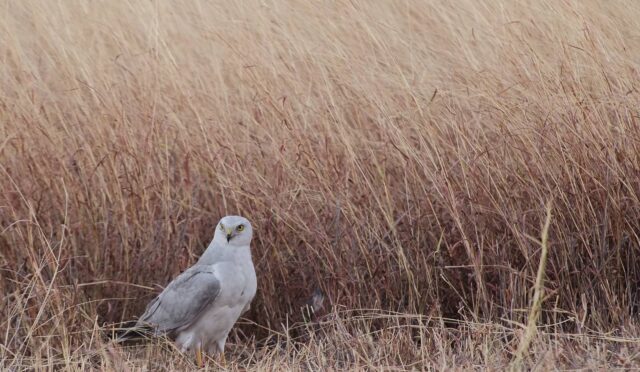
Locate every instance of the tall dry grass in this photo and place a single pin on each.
(398, 155)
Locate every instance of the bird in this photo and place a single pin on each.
(200, 306)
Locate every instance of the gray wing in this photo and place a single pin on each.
(183, 300)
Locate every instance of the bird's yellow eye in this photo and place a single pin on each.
(240, 227)
(221, 227)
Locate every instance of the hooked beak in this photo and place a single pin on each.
(229, 234)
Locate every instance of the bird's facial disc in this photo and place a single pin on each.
(232, 231)
(235, 231)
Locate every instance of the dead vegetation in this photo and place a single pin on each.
(397, 155)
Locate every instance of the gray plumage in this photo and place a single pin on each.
(183, 300)
(201, 305)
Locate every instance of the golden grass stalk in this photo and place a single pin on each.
(538, 297)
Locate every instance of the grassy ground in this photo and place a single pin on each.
(400, 156)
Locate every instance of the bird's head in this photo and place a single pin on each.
(234, 230)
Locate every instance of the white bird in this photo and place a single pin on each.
(201, 305)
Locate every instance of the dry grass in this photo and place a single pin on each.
(397, 154)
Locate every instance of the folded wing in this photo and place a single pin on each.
(183, 300)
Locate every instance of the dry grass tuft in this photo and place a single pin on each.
(396, 155)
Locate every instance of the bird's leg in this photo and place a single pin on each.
(223, 360)
(199, 357)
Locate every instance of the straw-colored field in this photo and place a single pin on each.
(400, 156)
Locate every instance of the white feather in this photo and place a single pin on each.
(201, 305)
